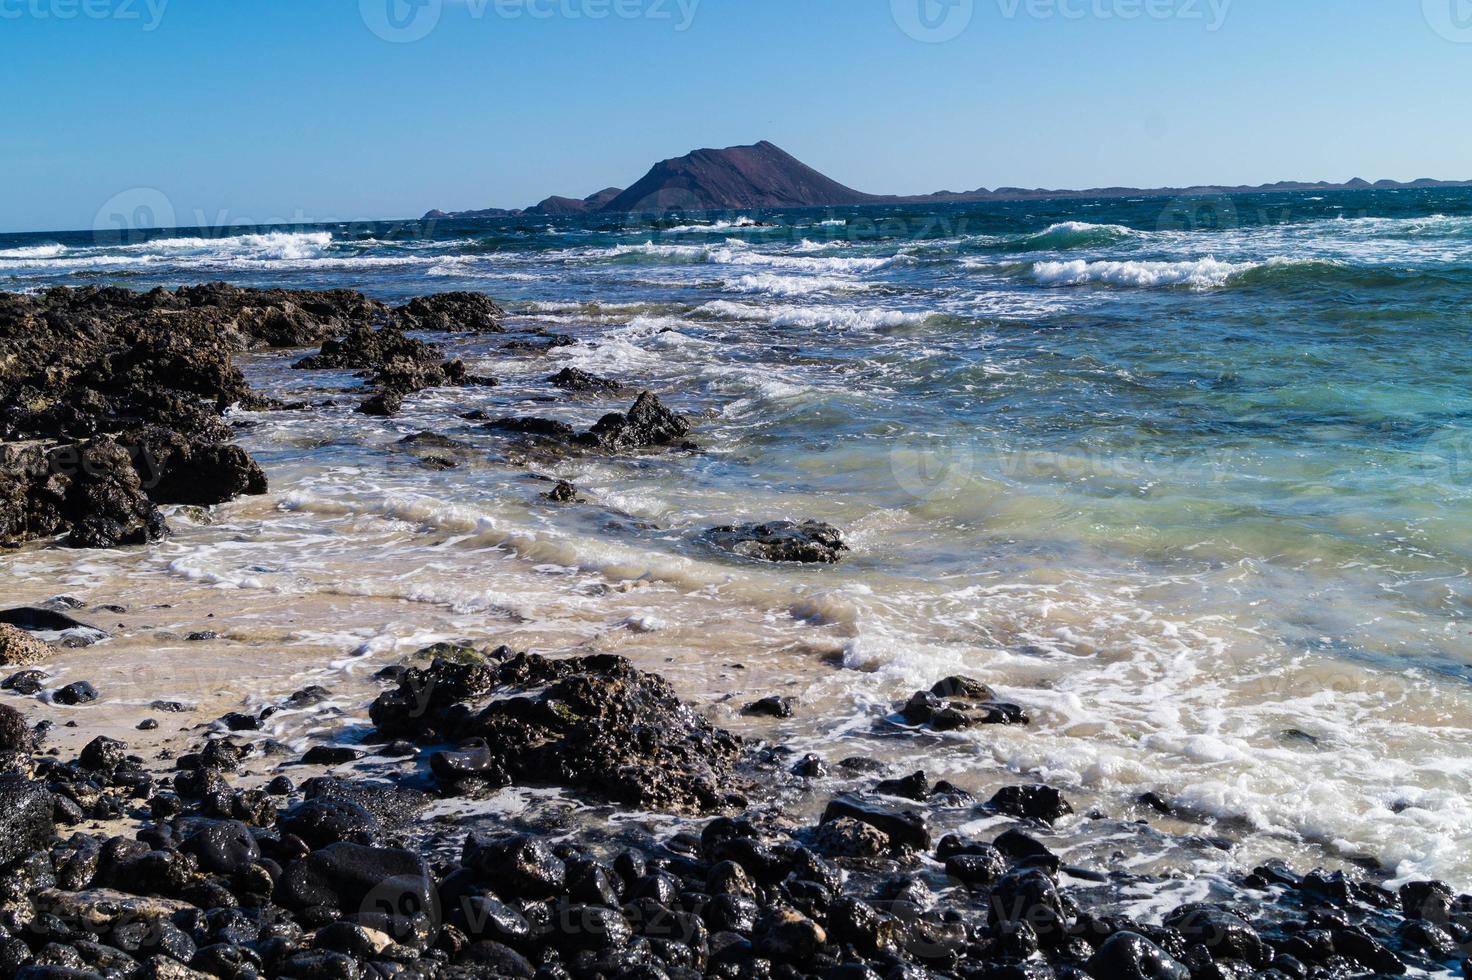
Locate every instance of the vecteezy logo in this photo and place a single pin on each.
(933, 21)
(129, 216)
(401, 21)
(1452, 19)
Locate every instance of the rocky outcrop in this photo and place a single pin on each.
(452, 312)
(592, 723)
(810, 542)
(648, 424)
(19, 649)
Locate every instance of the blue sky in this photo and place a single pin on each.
(274, 110)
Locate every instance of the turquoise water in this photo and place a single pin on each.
(1181, 475)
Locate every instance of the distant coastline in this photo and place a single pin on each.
(763, 175)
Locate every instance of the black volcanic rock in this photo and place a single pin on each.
(757, 176)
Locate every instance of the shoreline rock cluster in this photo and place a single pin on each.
(233, 872)
(112, 402)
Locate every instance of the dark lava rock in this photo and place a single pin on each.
(770, 707)
(515, 865)
(1226, 934)
(960, 702)
(810, 542)
(977, 867)
(26, 682)
(137, 382)
(562, 493)
(1028, 894)
(1034, 802)
(535, 427)
(330, 755)
(15, 734)
(452, 312)
(594, 723)
(1130, 956)
(576, 379)
(34, 619)
(385, 404)
(904, 828)
(102, 754)
(25, 817)
(226, 848)
(326, 821)
(787, 936)
(589, 927)
(356, 878)
(78, 692)
(647, 424)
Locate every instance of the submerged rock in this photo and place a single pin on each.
(960, 702)
(576, 379)
(594, 723)
(648, 423)
(810, 542)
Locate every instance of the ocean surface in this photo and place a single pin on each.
(1190, 480)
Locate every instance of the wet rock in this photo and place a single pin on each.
(1033, 802)
(226, 848)
(78, 692)
(26, 682)
(452, 312)
(576, 379)
(25, 817)
(589, 927)
(102, 500)
(210, 474)
(787, 936)
(960, 702)
(535, 427)
(330, 755)
(354, 878)
(1224, 933)
(595, 723)
(563, 493)
(1029, 895)
(978, 866)
(326, 821)
(810, 542)
(904, 828)
(385, 404)
(773, 706)
(516, 866)
(19, 649)
(102, 754)
(15, 733)
(1130, 956)
(647, 424)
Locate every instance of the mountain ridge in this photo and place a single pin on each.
(763, 175)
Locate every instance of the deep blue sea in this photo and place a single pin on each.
(1191, 479)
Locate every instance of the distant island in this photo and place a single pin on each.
(764, 175)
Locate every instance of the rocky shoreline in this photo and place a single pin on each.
(215, 862)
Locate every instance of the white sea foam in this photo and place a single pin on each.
(1198, 273)
(841, 317)
(33, 252)
(772, 284)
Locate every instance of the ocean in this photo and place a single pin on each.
(1190, 480)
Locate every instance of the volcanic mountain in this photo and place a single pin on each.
(758, 176)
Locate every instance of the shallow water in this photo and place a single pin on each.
(1188, 480)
